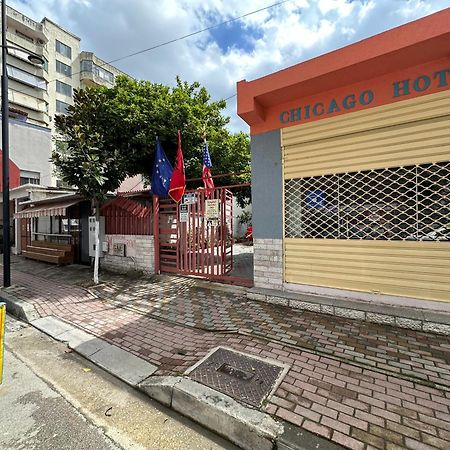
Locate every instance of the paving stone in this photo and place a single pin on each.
(368, 438)
(316, 428)
(171, 323)
(347, 441)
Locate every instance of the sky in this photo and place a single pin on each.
(249, 48)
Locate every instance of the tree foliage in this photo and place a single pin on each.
(83, 159)
(110, 134)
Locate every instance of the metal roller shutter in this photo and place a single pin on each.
(367, 200)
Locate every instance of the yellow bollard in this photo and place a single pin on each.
(2, 335)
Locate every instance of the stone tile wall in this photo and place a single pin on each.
(268, 263)
(140, 254)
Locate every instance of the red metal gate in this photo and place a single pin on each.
(188, 241)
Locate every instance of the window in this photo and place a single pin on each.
(64, 69)
(26, 180)
(63, 49)
(402, 203)
(103, 73)
(61, 107)
(45, 66)
(63, 88)
(89, 66)
(24, 36)
(86, 65)
(26, 78)
(29, 177)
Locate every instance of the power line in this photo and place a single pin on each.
(231, 96)
(198, 32)
(171, 41)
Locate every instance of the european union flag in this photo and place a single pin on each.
(162, 172)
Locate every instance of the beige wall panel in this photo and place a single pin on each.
(411, 269)
(409, 132)
(403, 139)
(419, 108)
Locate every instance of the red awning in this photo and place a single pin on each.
(52, 209)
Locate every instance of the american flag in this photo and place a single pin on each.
(206, 173)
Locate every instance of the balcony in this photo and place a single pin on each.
(18, 41)
(22, 22)
(94, 78)
(21, 99)
(95, 72)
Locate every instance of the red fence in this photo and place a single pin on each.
(190, 243)
(124, 216)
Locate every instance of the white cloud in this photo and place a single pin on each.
(284, 35)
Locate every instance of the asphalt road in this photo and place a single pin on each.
(53, 399)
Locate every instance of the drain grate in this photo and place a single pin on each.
(245, 378)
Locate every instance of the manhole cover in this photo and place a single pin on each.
(245, 378)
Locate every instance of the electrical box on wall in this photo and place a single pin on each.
(92, 234)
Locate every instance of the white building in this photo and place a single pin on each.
(37, 94)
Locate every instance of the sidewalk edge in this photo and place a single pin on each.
(18, 308)
(246, 427)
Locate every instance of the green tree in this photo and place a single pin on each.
(82, 157)
(123, 122)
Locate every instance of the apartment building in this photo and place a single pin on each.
(38, 93)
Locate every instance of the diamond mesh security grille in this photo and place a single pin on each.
(401, 203)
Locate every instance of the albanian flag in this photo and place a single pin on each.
(178, 180)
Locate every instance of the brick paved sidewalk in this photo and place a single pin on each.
(362, 385)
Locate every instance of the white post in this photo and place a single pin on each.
(97, 249)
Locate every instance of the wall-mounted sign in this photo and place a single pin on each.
(212, 222)
(397, 89)
(184, 212)
(212, 209)
(190, 198)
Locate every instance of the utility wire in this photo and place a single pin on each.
(171, 41)
(162, 44)
(231, 96)
(197, 32)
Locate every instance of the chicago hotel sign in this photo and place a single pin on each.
(402, 88)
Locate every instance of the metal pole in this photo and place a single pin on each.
(5, 158)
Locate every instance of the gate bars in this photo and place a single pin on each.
(194, 245)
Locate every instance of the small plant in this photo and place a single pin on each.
(245, 217)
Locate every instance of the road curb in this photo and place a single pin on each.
(120, 363)
(246, 427)
(18, 308)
